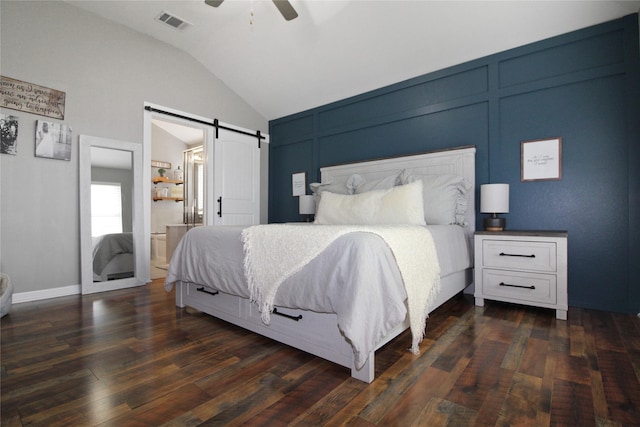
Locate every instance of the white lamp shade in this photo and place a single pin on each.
(494, 198)
(306, 205)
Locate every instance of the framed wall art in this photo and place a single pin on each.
(9, 134)
(159, 164)
(53, 140)
(298, 183)
(541, 159)
(31, 98)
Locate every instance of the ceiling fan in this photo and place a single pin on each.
(285, 8)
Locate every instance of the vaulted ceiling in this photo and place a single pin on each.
(336, 49)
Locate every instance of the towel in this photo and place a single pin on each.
(273, 252)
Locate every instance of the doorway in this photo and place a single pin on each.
(168, 138)
(231, 172)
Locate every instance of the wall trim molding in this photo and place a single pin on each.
(45, 294)
(583, 85)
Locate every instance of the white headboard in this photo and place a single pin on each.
(458, 161)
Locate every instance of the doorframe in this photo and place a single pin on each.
(149, 115)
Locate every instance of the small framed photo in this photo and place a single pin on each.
(53, 140)
(299, 183)
(159, 164)
(541, 159)
(9, 134)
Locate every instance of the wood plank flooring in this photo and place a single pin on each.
(131, 358)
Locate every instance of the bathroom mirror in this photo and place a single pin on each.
(112, 249)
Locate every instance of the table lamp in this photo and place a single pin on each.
(307, 206)
(494, 199)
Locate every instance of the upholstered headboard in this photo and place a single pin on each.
(457, 161)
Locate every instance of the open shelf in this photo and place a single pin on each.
(177, 199)
(161, 180)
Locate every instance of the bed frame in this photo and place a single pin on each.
(318, 333)
(120, 267)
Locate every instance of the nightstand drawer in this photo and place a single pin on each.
(520, 255)
(515, 285)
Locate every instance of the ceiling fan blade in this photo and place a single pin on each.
(214, 3)
(285, 8)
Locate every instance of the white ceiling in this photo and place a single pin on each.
(336, 49)
(188, 135)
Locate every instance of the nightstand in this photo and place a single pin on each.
(523, 267)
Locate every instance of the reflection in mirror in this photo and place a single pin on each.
(194, 198)
(111, 214)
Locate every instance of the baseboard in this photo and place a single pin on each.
(45, 294)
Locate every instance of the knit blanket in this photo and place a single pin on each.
(273, 252)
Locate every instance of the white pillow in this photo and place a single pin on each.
(398, 205)
(337, 187)
(347, 187)
(444, 197)
(380, 184)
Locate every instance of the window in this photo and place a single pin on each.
(106, 209)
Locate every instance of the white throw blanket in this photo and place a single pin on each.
(273, 252)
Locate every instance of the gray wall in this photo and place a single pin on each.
(107, 73)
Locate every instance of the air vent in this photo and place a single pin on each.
(173, 21)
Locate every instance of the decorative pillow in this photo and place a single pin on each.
(380, 184)
(444, 197)
(398, 205)
(337, 188)
(347, 187)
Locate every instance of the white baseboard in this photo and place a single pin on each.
(45, 294)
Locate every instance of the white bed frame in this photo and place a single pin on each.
(318, 333)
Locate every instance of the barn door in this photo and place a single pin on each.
(236, 179)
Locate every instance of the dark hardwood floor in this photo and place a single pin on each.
(131, 358)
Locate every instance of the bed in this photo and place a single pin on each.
(355, 290)
(112, 256)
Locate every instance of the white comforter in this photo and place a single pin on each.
(273, 252)
(356, 277)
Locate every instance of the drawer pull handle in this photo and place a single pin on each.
(202, 289)
(523, 256)
(517, 286)
(288, 316)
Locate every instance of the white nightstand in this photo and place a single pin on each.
(524, 267)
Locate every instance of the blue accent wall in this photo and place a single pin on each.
(582, 86)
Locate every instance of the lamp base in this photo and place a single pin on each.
(494, 224)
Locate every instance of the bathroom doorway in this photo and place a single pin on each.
(170, 139)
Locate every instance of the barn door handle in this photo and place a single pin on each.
(220, 206)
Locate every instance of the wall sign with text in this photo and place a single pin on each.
(298, 183)
(31, 98)
(541, 159)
